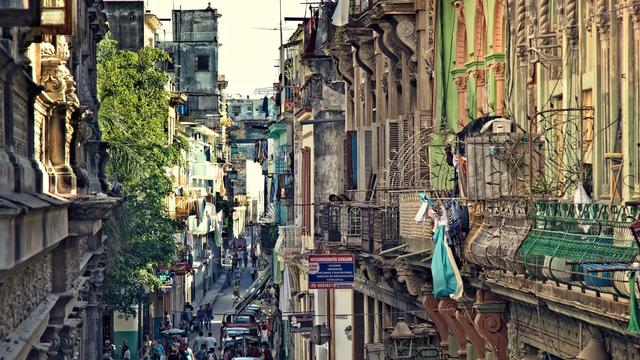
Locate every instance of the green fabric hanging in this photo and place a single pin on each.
(633, 306)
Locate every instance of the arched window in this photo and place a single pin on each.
(461, 35)
(480, 36)
(498, 27)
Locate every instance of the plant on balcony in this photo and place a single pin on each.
(133, 114)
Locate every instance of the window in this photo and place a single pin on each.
(355, 221)
(170, 63)
(203, 63)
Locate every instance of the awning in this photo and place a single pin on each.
(256, 288)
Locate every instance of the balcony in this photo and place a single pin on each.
(291, 240)
(184, 206)
(369, 227)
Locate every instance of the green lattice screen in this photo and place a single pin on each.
(564, 233)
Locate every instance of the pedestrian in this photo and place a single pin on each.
(185, 319)
(109, 348)
(266, 353)
(202, 353)
(245, 257)
(211, 341)
(126, 353)
(254, 274)
(236, 290)
(208, 312)
(200, 314)
(158, 350)
(200, 340)
(254, 259)
(264, 334)
(175, 354)
(167, 318)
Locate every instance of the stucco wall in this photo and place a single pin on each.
(126, 23)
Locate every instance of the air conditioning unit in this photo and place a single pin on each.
(497, 126)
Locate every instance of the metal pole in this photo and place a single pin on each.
(282, 82)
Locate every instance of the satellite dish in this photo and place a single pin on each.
(320, 334)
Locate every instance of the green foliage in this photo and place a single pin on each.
(133, 115)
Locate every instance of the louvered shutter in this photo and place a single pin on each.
(306, 192)
(393, 145)
(368, 155)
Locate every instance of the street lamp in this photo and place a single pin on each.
(401, 341)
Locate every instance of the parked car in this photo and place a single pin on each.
(243, 320)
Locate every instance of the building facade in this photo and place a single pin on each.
(53, 185)
(512, 122)
(194, 65)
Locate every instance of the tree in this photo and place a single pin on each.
(133, 116)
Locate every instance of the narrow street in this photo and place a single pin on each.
(224, 301)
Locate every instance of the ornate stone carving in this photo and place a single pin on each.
(499, 70)
(430, 306)
(69, 342)
(479, 77)
(412, 280)
(29, 288)
(448, 308)
(461, 82)
(571, 15)
(466, 316)
(521, 16)
(602, 17)
(406, 32)
(491, 324)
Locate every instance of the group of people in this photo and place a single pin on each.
(241, 256)
(201, 321)
(109, 350)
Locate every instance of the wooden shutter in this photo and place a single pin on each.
(306, 190)
(368, 156)
(393, 145)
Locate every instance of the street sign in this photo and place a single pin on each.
(331, 271)
(300, 322)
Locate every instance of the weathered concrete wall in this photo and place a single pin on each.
(126, 23)
(195, 35)
(328, 160)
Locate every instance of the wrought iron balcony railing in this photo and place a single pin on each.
(292, 240)
(373, 228)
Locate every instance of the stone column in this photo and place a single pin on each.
(479, 77)
(602, 94)
(461, 85)
(498, 72)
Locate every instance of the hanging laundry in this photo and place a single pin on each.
(312, 30)
(444, 277)
(341, 14)
(421, 216)
(580, 198)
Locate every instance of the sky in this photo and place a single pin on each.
(249, 51)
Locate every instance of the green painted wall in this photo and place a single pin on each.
(132, 341)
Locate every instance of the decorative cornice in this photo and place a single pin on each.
(461, 82)
(499, 70)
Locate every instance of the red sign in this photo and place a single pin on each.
(182, 268)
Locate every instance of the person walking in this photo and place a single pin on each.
(211, 342)
(254, 259)
(126, 353)
(245, 257)
(202, 353)
(200, 315)
(208, 315)
(254, 274)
